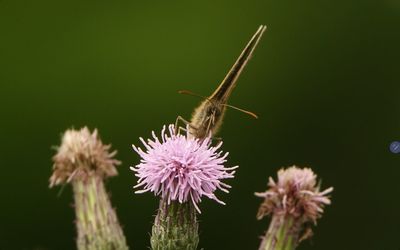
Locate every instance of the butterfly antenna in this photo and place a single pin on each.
(242, 110)
(188, 92)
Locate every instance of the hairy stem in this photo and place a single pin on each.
(175, 227)
(96, 220)
(283, 234)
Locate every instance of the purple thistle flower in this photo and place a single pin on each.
(84, 161)
(80, 155)
(295, 193)
(295, 202)
(182, 168)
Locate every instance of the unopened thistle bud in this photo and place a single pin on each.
(180, 169)
(84, 161)
(295, 203)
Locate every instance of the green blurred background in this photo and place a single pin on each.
(324, 81)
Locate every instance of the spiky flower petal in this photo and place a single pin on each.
(181, 168)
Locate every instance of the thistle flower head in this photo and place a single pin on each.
(82, 153)
(181, 168)
(295, 193)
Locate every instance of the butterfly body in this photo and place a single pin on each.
(206, 118)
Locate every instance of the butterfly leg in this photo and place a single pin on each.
(217, 138)
(178, 128)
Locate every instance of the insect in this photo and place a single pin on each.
(207, 117)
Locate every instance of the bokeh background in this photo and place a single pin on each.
(324, 81)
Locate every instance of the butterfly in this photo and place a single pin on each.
(207, 117)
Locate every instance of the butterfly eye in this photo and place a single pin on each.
(210, 110)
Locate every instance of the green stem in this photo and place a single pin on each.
(175, 227)
(96, 220)
(282, 234)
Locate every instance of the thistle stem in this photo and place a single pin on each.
(96, 220)
(175, 227)
(282, 234)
